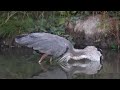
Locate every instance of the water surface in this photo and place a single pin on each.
(22, 63)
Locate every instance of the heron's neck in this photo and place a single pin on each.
(73, 53)
(76, 51)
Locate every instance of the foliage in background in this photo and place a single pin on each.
(113, 47)
(13, 23)
(17, 22)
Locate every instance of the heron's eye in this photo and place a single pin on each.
(99, 50)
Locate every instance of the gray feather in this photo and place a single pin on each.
(45, 43)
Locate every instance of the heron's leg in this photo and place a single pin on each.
(42, 57)
(51, 60)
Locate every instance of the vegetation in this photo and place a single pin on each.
(13, 23)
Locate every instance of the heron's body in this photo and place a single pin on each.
(45, 43)
(57, 47)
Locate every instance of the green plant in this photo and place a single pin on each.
(13, 23)
(113, 47)
(13, 27)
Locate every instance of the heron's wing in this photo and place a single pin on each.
(48, 43)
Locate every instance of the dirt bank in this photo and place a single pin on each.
(100, 30)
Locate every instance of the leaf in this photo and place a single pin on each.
(61, 21)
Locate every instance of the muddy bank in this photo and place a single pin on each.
(100, 30)
(8, 43)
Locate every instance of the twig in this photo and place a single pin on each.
(8, 17)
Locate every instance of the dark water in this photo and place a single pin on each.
(22, 63)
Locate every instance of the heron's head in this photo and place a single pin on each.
(90, 52)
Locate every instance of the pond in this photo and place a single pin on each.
(22, 63)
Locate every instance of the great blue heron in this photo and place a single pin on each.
(57, 46)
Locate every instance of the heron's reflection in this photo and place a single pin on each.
(83, 66)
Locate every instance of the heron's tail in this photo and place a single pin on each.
(20, 36)
(17, 38)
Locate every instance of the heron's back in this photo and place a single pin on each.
(45, 43)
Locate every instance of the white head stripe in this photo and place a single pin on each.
(79, 57)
